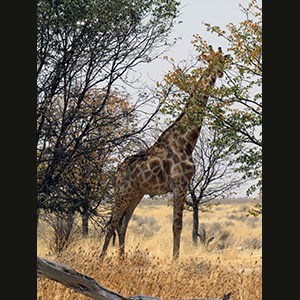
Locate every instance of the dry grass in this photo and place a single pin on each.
(231, 262)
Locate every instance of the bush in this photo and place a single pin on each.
(252, 243)
(145, 226)
(62, 233)
(215, 234)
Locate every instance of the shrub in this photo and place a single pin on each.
(145, 226)
(215, 233)
(62, 232)
(252, 243)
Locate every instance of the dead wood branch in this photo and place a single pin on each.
(74, 280)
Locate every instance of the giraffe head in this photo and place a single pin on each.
(216, 61)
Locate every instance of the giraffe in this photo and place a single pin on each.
(166, 166)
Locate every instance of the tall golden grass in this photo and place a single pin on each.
(202, 272)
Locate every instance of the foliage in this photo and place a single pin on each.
(235, 105)
(83, 48)
(85, 180)
(242, 120)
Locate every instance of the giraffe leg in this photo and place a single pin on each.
(179, 197)
(122, 228)
(120, 215)
(110, 232)
(118, 212)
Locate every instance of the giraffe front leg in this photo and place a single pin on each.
(179, 197)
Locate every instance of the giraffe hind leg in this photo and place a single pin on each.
(125, 221)
(110, 232)
(108, 236)
(117, 219)
(114, 235)
(179, 198)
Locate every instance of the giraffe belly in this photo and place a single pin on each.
(158, 190)
(152, 176)
(153, 183)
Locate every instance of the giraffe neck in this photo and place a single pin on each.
(184, 132)
(188, 125)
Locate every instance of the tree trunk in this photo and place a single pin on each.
(195, 206)
(70, 223)
(85, 225)
(195, 224)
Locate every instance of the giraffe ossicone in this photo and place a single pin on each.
(167, 166)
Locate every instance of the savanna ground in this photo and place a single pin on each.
(228, 260)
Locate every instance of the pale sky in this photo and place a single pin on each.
(193, 14)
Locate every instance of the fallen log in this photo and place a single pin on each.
(74, 280)
(85, 284)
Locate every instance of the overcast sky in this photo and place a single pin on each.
(193, 14)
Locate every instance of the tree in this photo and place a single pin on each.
(87, 178)
(214, 175)
(235, 104)
(84, 45)
(239, 99)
